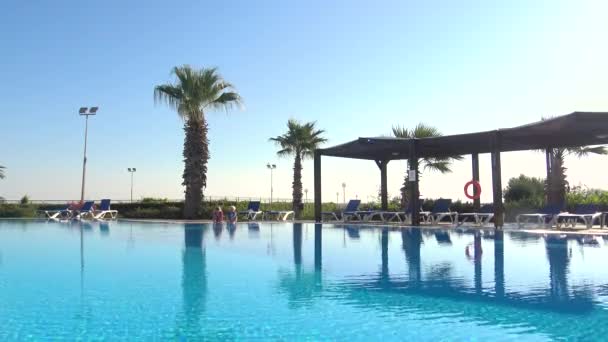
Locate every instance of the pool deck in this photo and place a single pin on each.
(579, 230)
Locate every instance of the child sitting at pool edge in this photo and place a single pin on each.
(218, 215)
(232, 215)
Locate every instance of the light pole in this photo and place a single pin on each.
(131, 171)
(271, 167)
(344, 192)
(337, 198)
(306, 195)
(86, 112)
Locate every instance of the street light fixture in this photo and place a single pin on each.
(271, 167)
(306, 195)
(131, 171)
(86, 112)
(344, 192)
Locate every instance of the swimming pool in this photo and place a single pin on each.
(286, 281)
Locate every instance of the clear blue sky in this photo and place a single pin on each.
(356, 67)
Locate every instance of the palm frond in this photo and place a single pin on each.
(2, 168)
(586, 150)
(195, 90)
(300, 139)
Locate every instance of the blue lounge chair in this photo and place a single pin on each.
(588, 213)
(351, 210)
(481, 217)
(253, 210)
(104, 211)
(441, 210)
(86, 210)
(549, 212)
(64, 214)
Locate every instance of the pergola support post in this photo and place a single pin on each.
(497, 182)
(317, 180)
(413, 186)
(475, 166)
(548, 160)
(382, 165)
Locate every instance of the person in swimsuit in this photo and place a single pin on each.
(218, 215)
(231, 215)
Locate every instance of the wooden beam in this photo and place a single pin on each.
(548, 160)
(413, 186)
(475, 165)
(317, 180)
(497, 182)
(382, 165)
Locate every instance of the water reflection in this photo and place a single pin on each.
(301, 285)
(194, 281)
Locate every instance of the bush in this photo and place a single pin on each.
(525, 188)
(15, 211)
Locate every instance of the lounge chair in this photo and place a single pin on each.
(588, 213)
(104, 211)
(64, 214)
(279, 215)
(547, 212)
(351, 210)
(481, 217)
(390, 216)
(86, 210)
(253, 210)
(441, 210)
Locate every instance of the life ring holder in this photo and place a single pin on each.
(476, 192)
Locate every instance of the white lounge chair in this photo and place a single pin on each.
(588, 213)
(549, 212)
(65, 214)
(441, 210)
(279, 215)
(103, 213)
(253, 210)
(481, 217)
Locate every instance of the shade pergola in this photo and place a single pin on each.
(572, 130)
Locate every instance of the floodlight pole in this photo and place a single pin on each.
(271, 167)
(86, 112)
(131, 171)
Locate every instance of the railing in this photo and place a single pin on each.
(207, 198)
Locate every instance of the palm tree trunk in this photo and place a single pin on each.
(405, 190)
(558, 184)
(297, 185)
(196, 155)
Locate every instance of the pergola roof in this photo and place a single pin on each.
(576, 129)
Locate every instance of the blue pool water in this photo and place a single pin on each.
(130, 281)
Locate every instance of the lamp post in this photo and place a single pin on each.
(306, 195)
(344, 192)
(337, 198)
(271, 167)
(86, 112)
(131, 171)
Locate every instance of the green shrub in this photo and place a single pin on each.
(524, 188)
(16, 211)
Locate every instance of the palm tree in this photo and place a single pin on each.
(195, 92)
(2, 171)
(557, 184)
(432, 164)
(300, 141)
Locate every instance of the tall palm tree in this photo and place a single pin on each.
(557, 184)
(2, 171)
(442, 165)
(300, 141)
(194, 93)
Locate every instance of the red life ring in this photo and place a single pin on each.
(476, 192)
